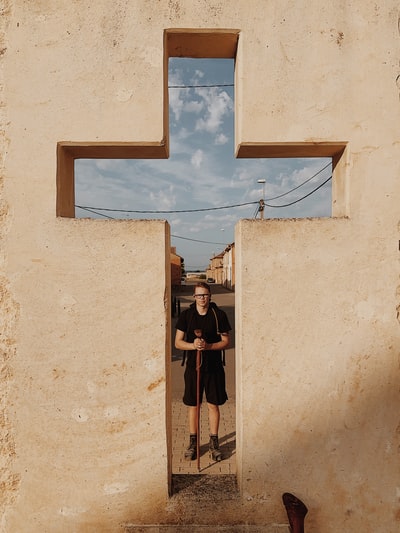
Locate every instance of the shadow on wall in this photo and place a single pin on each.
(340, 443)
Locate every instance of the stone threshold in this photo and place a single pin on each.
(202, 528)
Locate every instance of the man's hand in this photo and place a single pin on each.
(199, 344)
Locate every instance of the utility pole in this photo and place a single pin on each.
(262, 203)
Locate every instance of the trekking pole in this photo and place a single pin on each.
(198, 334)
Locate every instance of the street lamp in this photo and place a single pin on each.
(262, 204)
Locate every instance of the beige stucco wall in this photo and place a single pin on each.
(85, 327)
(317, 300)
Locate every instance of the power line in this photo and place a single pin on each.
(96, 210)
(156, 211)
(93, 210)
(303, 197)
(301, 184)
(196, 240)
(204, 86)
(87, 208)
(257, 210)
(175, 236)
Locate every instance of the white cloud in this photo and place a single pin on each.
(201, 171)
(198, 74)
(163, 200)
(176, 103)
(197, 158)
(221, 139)
(194, 107)
(218, 105)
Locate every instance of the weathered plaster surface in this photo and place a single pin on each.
(326, 363)
(85, 328)
(9, 313)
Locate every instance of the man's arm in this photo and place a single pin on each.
(220, 345)
(180, 342)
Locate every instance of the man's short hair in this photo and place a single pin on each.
(202, 284)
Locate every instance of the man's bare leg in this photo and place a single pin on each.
(213, 418)
(192, 412)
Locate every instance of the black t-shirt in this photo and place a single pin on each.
(190, 320)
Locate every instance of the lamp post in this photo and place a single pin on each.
(262, 204)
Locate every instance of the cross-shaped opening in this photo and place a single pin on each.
(193, 44)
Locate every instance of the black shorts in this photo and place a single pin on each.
(211, 383)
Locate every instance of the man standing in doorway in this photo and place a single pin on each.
(206, 316)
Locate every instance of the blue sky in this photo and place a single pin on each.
(201, 172)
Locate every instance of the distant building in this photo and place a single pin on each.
(176, 267)
(222, 267)
(228, 267)
(214, 271)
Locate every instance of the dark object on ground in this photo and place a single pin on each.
(296, 511)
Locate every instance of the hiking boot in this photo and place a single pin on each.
(215, 452)
(191, 450)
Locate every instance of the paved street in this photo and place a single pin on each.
(227, 434)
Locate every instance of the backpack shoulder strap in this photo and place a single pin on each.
(219, 333)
